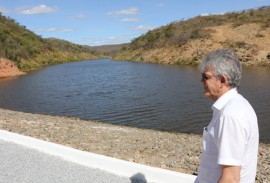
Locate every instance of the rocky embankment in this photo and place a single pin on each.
(8, 69)
(174, 151)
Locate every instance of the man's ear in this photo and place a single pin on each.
(224, 80)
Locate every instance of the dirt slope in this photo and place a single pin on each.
(8, 69)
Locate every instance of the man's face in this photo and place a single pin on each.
(211, 84)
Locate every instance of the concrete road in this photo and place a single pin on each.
(19, 164)
(25, 159)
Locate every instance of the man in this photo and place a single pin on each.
(230, 141)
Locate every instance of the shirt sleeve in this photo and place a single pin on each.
(230, 141)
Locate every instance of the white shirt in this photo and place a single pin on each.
(231, 138)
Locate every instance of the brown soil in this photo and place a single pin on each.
(9, 69)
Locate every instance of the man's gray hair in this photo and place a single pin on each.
(223, 62)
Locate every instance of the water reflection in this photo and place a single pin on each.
(162, 97)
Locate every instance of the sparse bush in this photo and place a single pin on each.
(259, 34)
(169, 31)
(242, 44)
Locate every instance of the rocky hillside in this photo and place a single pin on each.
(185, 42)
(29, 51)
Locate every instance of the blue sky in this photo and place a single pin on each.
(100, 22)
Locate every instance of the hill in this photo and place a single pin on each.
(185, 42)
(108, 50)
(30, 51)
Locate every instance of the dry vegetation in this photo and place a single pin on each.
(185, 42)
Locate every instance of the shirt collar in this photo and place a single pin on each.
(220, 103)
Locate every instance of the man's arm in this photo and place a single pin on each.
(230, 174)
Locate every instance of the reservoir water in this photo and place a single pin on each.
(153, 96)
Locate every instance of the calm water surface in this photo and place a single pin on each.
(162, 97)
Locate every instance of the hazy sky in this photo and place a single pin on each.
(99, 22)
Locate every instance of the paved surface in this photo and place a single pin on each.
(19, 164)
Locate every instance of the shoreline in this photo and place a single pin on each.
(173, 151)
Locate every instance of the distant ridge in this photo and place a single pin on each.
(108, 50)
